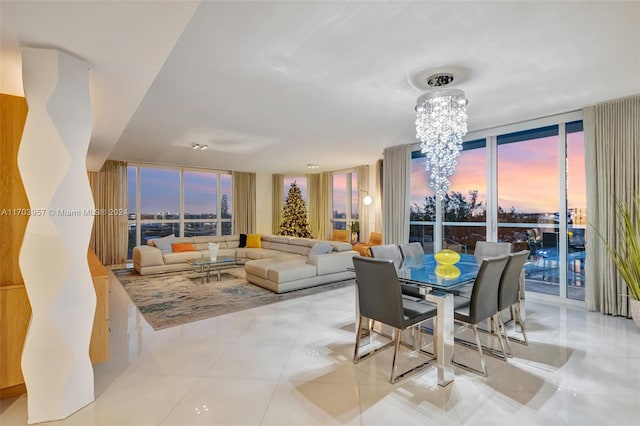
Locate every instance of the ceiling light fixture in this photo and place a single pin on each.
(312, 166)
(199, 146)
(441, 123)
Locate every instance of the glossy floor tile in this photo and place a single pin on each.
(290, 364)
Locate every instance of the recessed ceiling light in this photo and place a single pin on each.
(199, 146)
(312, 166)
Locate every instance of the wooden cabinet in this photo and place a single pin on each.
(99, 347)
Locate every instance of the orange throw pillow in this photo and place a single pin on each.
(178, 247)
(253, 241)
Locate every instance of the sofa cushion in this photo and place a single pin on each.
(182, 257)
(278, 246)
(243, 240)
(280, 239)
(302, 251)
(320, 248)
(333, 262)
(304, 242)
(290, 271)
(164, 243)
(181, 247)
(253, 241)
(339, 246)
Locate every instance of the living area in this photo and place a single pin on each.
(171, 152)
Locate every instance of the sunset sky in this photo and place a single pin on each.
(527, 175)
(527, 180)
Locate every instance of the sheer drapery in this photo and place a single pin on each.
(612, 150)
(362, 173)
(244, 202)
(378, 196)
(320, 204)
(109, 236)
(395, 189)
(277, 203)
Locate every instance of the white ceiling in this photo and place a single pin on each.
(272, 86)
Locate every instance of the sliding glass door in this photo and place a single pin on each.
(524, 184)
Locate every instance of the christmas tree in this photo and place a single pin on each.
(294, 215)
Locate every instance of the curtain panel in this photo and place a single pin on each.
(244, 202)
(278, 202)
(362, 173)
(378, 196)
(109, 236)
(612, 151)
(319, 191)
(395, 189)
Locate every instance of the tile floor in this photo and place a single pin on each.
(290, 364)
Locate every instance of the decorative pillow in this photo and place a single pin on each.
(243, 240)
(213, 251)
(180, 247)
(164, 243)
(320, 248)
(253, 241)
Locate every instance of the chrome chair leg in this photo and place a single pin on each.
(503, 333)
(356, 357)
(397, 334)
(519, 321)
(358, 334)
(500, 323)
(478, 347)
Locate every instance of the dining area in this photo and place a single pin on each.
(423, 303)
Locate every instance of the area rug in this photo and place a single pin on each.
(173, 299)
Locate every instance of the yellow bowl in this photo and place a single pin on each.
(448, 272)
(447, 257)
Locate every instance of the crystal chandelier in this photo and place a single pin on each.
(441, 123)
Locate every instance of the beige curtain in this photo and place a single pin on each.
(320, 204)
(378, 196)
(277, 203)
(244, 202)
(109, 236)
(395, 189)
(612, 150)
(362, 173)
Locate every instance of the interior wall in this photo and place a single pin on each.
(264, 191)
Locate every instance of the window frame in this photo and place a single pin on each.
(218, 220)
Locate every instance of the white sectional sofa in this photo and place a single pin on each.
(281, 264)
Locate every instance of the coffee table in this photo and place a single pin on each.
(206, 266)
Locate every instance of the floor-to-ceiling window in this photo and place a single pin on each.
(177, 201)
(464, 205)
(345, 206)
(159, 203)
(576, 210)
(526, 186)
(528, 202)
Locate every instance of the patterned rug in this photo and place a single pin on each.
(172, 299)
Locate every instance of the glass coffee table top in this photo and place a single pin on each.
(204, 267)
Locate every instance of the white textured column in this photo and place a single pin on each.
(53, 257)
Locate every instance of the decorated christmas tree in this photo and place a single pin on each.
(294, 215)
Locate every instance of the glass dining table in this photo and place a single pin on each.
(438, 284)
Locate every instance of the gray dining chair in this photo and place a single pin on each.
(411, 249)
(380, 299)
(388, 252)
(483, 305)
(392, 252)
(491, 249)
(485, 249)
(509, 294)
